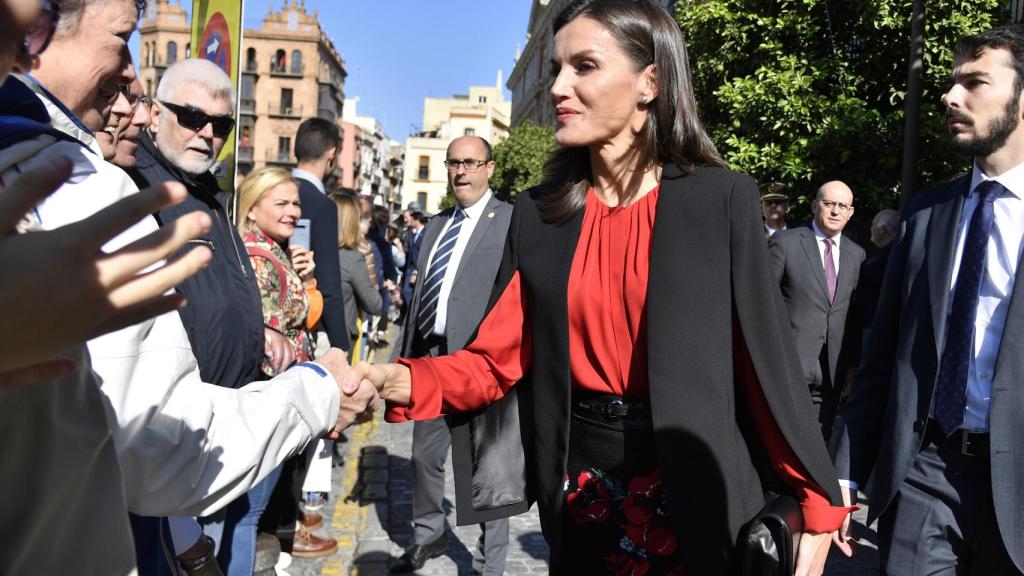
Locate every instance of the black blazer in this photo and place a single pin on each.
(323, 241)
(709, 272)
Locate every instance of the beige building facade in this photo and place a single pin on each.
(482, 112)
(290, 70)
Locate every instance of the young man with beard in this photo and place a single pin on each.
(934, 413)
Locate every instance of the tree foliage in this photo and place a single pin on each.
(519, 159)
(804, 91)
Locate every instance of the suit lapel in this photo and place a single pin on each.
(942, 235)
(478, 234)
(810, 244)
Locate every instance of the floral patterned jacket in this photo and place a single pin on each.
(285, 303)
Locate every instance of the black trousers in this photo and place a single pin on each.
(824, 396)
(942, 520)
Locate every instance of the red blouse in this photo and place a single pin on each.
(607, 343)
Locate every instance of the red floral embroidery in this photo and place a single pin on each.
(656, 537)
(591, 501)
(648, 485)
(623, 564)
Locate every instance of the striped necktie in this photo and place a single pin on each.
(951, 383)
(427, 315)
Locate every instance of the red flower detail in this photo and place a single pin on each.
(590, 502)
(639, 509)
(623, 564)
(656, 537)
(649, 485)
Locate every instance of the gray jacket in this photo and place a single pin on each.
(357, 290)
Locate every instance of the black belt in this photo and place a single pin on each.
(974, 444)
(610, 406)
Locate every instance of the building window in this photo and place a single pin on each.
(469, 132)
(286, 100)
(278, 62)
(421, 197)
(481, 99)
(284, 148)
(188, 50)
(296, 62)
(424, 173)
(149, 88)
(172, 52)
(250, 60)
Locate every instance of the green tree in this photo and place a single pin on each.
(519, 159)
(803, 91)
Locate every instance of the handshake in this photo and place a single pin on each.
(363, 386)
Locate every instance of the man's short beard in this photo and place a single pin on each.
(175, 156)
(999, 131)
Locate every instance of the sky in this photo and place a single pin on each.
(397, 53)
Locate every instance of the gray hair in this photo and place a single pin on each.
(888, 218)
(71, 13)
(198, 73)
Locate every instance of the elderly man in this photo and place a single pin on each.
(817, 269)
(129, 129)
(181, 446)
(884, 227)
(774, 203)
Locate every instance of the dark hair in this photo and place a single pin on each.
(315, 137)
(379, 218)
(419, 217)
(1009, 38)
(673, 131)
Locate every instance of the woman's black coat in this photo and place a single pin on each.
(709, 267)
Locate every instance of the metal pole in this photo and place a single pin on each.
(912, 111)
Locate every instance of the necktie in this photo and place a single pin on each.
(427, 314)
(951, 384)
(830, 270)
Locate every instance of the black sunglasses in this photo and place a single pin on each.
(195, 119)
(38, 38)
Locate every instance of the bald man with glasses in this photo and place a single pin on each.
(818, 269)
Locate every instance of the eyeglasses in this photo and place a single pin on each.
(837, 206)
(134, 100)
(38, 38)
(470, 164)
(195, 119)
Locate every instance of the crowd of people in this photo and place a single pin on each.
(645, 385)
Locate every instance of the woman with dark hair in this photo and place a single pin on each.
(635, 332)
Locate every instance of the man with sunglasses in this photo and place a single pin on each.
(818, 270)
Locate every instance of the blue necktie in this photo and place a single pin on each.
(427, 315)
(951, 384)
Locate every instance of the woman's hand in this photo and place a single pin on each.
(812, 553)
(392, 381)
(60, 288)
(842, 538)
(302, 260)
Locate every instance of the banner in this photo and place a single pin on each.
(217, 36)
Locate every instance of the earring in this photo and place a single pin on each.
(643, 100)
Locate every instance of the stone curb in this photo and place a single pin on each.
(373, 546)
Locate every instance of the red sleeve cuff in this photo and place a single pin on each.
(425, 393)
(819, 518)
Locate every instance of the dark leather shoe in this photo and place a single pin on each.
(418, 554)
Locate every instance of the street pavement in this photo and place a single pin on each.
(370, 514)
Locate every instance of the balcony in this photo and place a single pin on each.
(247, 106)
(276, 110)
(279, 157)
(288, 71)
(245, 153)
(250, 67)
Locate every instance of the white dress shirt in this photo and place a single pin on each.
(1001, 258)
(473, 215)
(819, 238)
(771, 231)
(300, 173)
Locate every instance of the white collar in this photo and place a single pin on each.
(476, 210)
(1012, 179)
(820, 236)
(300, 173)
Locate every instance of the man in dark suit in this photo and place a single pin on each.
(884, 227)
(460, 254)
(317, 144)
(934, 416)
(774, 204)
(817, 270)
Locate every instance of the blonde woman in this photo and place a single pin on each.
(268, 211)
(358, 289)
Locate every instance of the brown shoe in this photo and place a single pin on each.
(310, 520)
(309, 545)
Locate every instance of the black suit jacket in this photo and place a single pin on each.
(882, 425)
(323, 239)
(709, 273)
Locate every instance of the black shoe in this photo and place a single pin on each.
(418, 554)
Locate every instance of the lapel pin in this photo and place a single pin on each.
(490, 214)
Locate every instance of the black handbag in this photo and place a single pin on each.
(768, 543)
